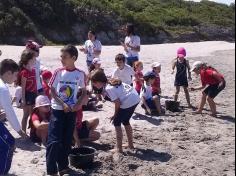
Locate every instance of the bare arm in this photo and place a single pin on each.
(59, 100)
(23, 85)
(173, 66)
(189, 69)
(40, 125)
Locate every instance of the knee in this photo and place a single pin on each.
(209, 99)
(96, 121)
(97, 136)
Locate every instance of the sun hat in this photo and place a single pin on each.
(33, 45)
(149, 74)
(196, 65)
(42, 100)
(156, 65)
(97, 61)
(46, 74)
(181, 52)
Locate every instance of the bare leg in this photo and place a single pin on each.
(212, 106)
(94, 136)
(187, 96)
(119, 138)
(93, 124)
(43, 135)
(26, 113)
(176, 96)
(129, 132)
(157, 103)
(202, 103)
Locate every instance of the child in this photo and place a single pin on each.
(138, 77)
(215, 81)
(150, 103)
(181, 79)
(27, 80)
(125, 99)
(64, 84)
(96, 64)
(46, 76)
(156, 86)
(124, 72)
(40, 119)
(8, 74)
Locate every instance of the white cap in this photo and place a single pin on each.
(197, 65)
(42, 100)
(156, 65)
(97, 61)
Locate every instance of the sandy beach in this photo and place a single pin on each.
(177, 144)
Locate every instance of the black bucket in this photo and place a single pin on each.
(172, 106)
(82, 157)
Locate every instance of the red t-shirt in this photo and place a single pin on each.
(31, 85)
(156, 86)
(207, 77)
(139, 84)
(46, 89)
(79, 119)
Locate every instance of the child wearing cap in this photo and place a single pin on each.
(156, 86)
(212, 82)
(125, 98)
(46, 76)
(124, 72)
(151, 103)
(138, 77)
(181, 78)
(39, 120)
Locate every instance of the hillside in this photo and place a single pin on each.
(158, 21)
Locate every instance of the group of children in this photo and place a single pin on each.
(55, 107)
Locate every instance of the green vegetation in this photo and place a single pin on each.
(47, 20)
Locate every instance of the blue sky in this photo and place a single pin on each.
(221, 1)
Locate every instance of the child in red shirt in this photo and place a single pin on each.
(156, 86)
(46, 76)
(40, 119)
(27, 80)
(138, 76)
(212, 82)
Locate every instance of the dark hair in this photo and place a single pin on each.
(26, 56)
(70, 49)
(8, 65)
(130, 29)
(91, 68)
(94, 33)
(120, 57)
(147, 78)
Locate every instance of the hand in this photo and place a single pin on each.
(66, 108)
(172, 72)
(23, 134)
(75, 108)
(192, 89)
(82, 49)
(112, 119)
(23, 103)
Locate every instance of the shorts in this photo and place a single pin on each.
(30, 98)
(83, 132)
(213, 90)
(131, 60)
(124, 116)
(40, 91)
(151, 104)
(89, 63)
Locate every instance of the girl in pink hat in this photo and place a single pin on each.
(40, 119)
(181, 78)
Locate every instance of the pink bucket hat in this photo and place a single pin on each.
(42, 100)
(181, 52)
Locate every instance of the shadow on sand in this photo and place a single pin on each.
(152, 120)
(226, 118)
(27, 145)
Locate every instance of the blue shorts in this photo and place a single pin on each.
(89, 63)
(131, 60)
(30, 98)
(151, 104)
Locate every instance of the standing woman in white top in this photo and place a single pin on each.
(92, 48)
(131, 45)
(125, 99)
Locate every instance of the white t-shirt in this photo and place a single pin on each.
(146, 92)
(18, 95)
(38, 69)
(90, 46)
(126, 75)
(127, 95)
(133, 41)
(67, 84)
(5, 104)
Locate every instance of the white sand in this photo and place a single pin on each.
(178, 144)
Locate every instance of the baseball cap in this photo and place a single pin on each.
(197, 65)
(156, 65)
(33, 45)
(97, 61)
(46, 74)
(42, 100)
(181, 52)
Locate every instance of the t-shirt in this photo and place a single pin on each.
(126, 75)
(30, 75)
(133, 41)
(146, 92)
(156, 86)
(138, 84)
(38, 69)
(90, 46)
(18, 95)
(207, 77)
(46, 89)
(67, 84)
(127, 95)
(5, 104)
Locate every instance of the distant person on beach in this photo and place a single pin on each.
(27, 80)
(181, 77)
(124, 72)
(92, 48)
(132, 45)
(8, 74)
(125, 98)
(151, 103)
(138, 76)
(40, 119)
(156, 86)
(212, 82)
(65, 84)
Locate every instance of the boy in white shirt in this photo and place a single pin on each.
(150, 103)
(124, 72)
(8, 74)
